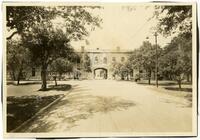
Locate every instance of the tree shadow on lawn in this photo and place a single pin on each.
(60, 87)
(159, 84)
(178, 89)
(162, 83)
(23, 84)
(20, 109)
(79, 106)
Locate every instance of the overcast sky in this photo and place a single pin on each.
(126, 27)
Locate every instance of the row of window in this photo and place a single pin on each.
(105, 59)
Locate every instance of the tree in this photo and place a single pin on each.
(135, 61)
(121, 69)
(21, 18)
(86, 62)
(144, 58)
(60, 66)
(18, 60)
(173, 19)
(176, 60)
(47, 42)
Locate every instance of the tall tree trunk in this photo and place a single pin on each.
(43, 77)
(55, 81)
(149, 77)
(19, 74)
(179, 84)
(18, 78)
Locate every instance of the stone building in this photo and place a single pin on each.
(101, 61)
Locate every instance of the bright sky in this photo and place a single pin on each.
(126, 27)
(123, 27)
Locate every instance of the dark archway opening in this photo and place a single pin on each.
(100, 73)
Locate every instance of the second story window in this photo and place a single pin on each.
(122, 59)
(96, 59)
(105, 60)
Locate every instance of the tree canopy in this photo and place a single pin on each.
(174, 19)
(46, 41)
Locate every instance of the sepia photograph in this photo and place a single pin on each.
(99, 69)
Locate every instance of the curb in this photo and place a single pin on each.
(40, 112)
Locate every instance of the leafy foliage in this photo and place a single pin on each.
(18, 60)
(173, 19)
(144, 58)
(176, 61)
(23, 18)
(121, 70)
(86, 62)
(43, 38)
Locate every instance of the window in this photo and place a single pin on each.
(105, 60)
(122, 59)
(113, 59)
(96, 59)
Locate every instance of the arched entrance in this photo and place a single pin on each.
(100, 73)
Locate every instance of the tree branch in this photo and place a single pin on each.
(12, 35)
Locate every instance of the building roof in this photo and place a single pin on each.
(105, 51)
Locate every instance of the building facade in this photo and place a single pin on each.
(101, 61)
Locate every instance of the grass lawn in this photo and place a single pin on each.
(25, 100)
(20, 109)
(170, 88)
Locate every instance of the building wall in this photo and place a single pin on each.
(103, 59)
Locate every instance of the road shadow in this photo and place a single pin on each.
(79, 106)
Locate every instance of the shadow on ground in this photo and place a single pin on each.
(78, 106)
(177, 89)
(23, 84)
(20, 109)
(60, 87)
(162, 83)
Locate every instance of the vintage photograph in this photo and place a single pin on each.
(99, 69)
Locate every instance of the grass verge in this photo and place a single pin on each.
(20, 109)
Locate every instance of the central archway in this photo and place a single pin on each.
(100, 73)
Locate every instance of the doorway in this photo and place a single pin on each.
(100, 73)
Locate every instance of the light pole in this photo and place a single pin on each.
(156, 58)
(156, 65)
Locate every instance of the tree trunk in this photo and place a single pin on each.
(55, 81)
(43, 78)
(149, 77)
(179, 84)
(19, 75)
(18, 79)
